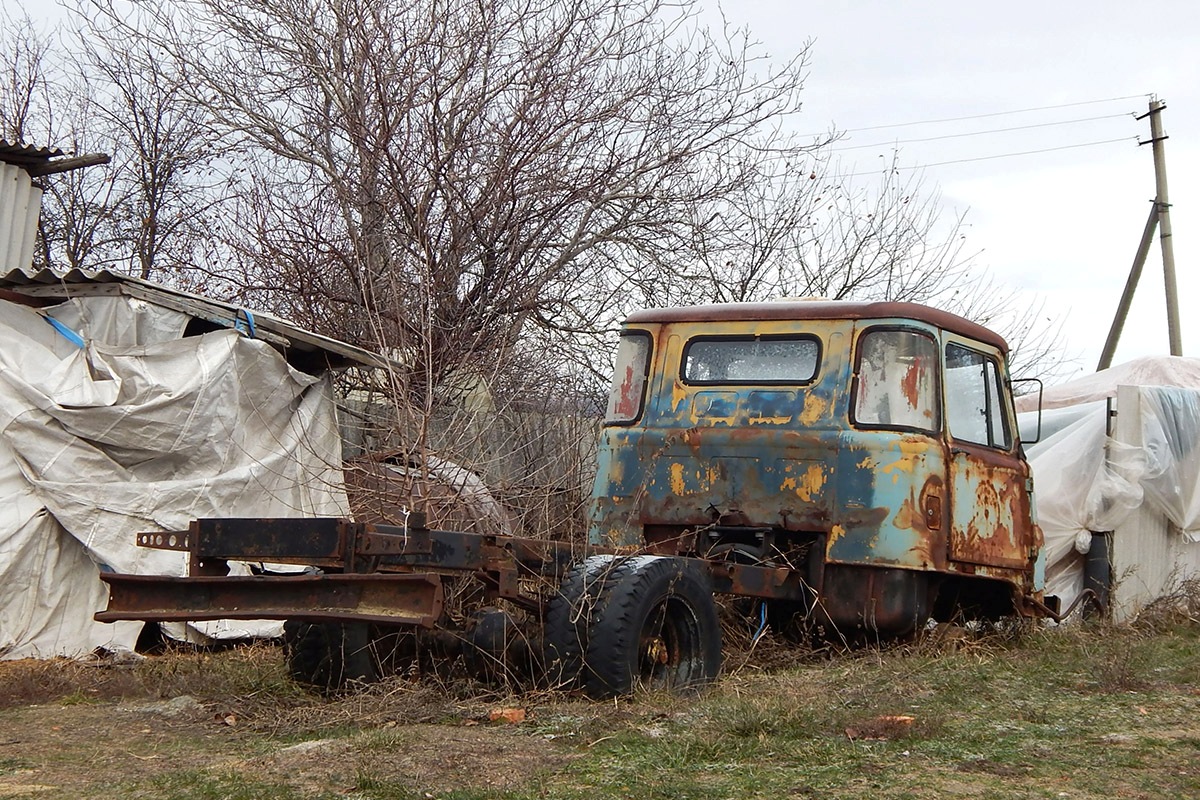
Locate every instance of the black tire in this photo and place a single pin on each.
(496, 651)
(570, 616)
(329, 655)
(657, 628)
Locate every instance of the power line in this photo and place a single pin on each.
(986, 116)
(980, 133)
(999, 155)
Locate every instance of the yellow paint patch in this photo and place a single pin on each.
(806, 486)
(677, 485)
(905, 464)
(815, 407)
(713, 422)
(679, 395)
(835, 533)
(770, 420)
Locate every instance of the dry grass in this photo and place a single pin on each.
(1000, 712)
(1180, 607)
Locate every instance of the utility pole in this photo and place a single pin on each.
(1164, 224)
(1160, 218)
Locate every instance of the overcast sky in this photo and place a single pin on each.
(1060, 226)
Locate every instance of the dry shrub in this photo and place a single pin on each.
(1177, 609)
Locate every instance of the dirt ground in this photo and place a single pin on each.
(87, 750)
(113, 735)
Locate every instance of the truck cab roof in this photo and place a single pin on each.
(819, 309)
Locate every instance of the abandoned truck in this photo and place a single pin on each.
(846, 469)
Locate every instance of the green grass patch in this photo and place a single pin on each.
(205, 785)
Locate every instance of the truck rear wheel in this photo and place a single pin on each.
(496, 650)
(329, 655)
(570, 616)
(657, 628)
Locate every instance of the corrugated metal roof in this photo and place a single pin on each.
(303, 348)
(26, 155)
(20, 202)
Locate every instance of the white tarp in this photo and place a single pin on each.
(1087, 481)
(140, 430)
(1147, 371)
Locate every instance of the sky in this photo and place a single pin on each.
(1060, 227)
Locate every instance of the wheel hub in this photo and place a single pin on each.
(656, 650)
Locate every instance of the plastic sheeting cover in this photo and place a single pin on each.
(1171, 442)
(1086, 481)
(139, 431)
(1148, 371)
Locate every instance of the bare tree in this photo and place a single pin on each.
(141, 214)
(25, 89)
(455, 168)
(165, 178)
(41, 104)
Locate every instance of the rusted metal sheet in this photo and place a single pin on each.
(396, 599)
(697, 457)
(891, 498)
(991, 523)
(768, 583)
(776, 456)
(279, 540)
(856, 598)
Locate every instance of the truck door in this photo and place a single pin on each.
(891, 470)
(989, 482)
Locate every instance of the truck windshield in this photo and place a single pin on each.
(788, 360)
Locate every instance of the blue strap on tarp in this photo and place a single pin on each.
(70, 335)
(244, 322)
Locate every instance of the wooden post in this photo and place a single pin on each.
(1135, 274)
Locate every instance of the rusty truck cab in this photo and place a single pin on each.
(869, 447)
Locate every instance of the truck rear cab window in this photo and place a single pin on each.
(752, 359)
(897, 381)
(628, 393)
(974, 399)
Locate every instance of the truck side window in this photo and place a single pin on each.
(897, 380)
(628, 392)
(974, 402)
